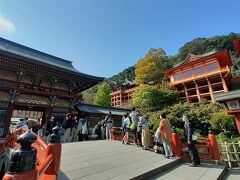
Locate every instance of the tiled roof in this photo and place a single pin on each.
(228, 95)
(35, 56)
(196, 57)
(95, 109)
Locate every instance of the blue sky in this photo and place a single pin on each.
(102, 37)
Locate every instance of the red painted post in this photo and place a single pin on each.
(54, 149)
(23, 160)
(214, 145)
(176, 145)
(237, 117)
(30, 175)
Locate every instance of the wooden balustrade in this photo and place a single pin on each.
(230, 153)
(207, 147)
(48, 159)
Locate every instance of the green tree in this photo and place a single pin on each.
(221, 122)
(149, 70)
(199, 113)
(148, 98)
(203, 45)
(102, 96)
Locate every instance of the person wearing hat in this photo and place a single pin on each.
(189, 131)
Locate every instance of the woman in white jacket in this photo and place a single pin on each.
(126, 128)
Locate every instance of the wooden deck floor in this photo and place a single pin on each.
(108, 160)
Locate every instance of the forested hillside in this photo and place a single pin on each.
(196, 46)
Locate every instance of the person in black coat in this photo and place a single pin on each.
(188, 131)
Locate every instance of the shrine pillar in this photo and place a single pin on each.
(237, 117)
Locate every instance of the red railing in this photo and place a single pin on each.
(48, 159)
(207, 147)
(117, 134)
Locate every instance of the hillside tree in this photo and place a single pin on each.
(149, 70)
(102, 96)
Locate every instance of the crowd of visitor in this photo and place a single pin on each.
(140, 127)
(77, 128)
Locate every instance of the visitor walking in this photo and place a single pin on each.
(143, 124)
(189, 132)
(126, 129)
(109, 125)
(82, 129)
(123, 123)
(50, 125)
(139, 132)
(34, 125)
(133, 116)
(166, 135)
(70, 123)
(103, 128)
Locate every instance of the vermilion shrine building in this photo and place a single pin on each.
(201, 76)
(122, 97)
(34, 84)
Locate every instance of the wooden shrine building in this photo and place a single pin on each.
(201, 76)
(37, 85)
(122, 97)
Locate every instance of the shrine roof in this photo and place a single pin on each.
(223, 58)
(95, 109)
(34, 56)
(192, 57)
(228, 95)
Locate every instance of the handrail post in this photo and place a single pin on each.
(176, 145)
(214, 145)
(23, 160)
(54, 149)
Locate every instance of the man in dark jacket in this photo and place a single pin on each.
(188, 129)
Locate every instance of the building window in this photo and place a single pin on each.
(212, 67)
(188, 74)
(178, 76)
(199, 70)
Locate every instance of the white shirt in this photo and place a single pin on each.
(143, 122)
(127, 122)
(133, 116)
(83, 126)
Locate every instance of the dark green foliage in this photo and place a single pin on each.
(202, 45)
(148, 98)
(198, 113)
(126, 74)
(102, 96)
(222, 122)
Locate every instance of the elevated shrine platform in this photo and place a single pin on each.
(110, 160)
(102, 160)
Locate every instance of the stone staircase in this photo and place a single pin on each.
(206, 171)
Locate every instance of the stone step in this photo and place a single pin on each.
(182, 171)
(232, 174)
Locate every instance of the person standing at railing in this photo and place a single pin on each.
(109, 125)
(166, 135)
(143, 124)
(189, 131)
(126, 129)
(123, 124)
(133, 116)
